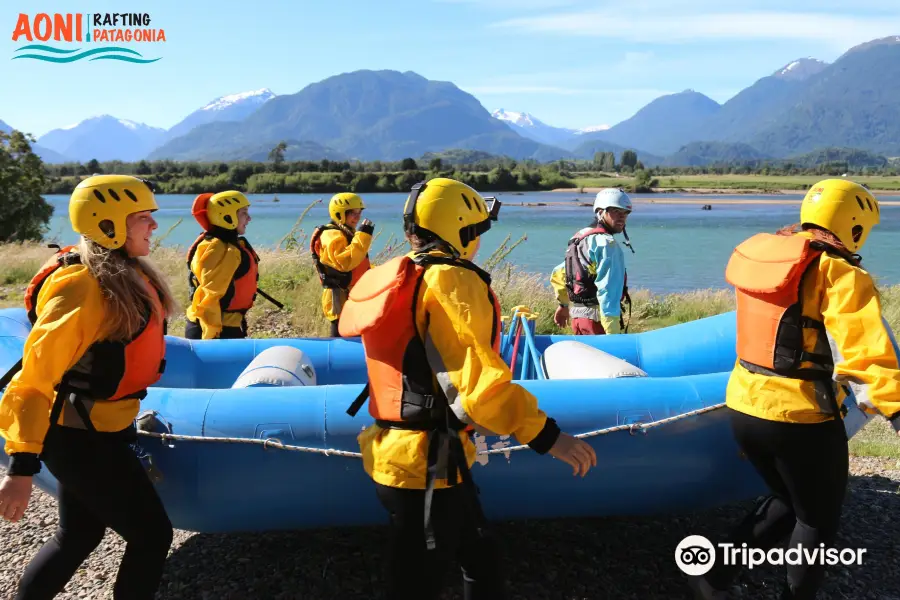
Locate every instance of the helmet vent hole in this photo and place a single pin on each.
(869, 202)
(108, 228)
(466, 200)
(860, 202)
(131, 195)
(113, 193)
(227, 219)
(99, 195)
(857, 232)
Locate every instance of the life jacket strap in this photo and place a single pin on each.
(359, 401)
(443, 441)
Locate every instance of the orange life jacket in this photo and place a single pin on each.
(382, 310)
(109, 370)
(403, 366)
(243, 288)
(767, 271)
(330, 277)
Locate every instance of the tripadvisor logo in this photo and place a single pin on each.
(86, 31)
(695, 555)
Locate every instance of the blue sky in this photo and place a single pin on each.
(571, 63)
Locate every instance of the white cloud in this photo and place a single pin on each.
(661, 27)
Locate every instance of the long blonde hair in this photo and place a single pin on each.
(124, 290)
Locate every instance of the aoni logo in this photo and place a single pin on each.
(696, 555)
(86, 30)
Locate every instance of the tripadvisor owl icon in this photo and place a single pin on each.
(695, 555)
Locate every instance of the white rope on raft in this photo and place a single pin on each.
(273, 443)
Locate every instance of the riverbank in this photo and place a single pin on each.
(726, 191)
(732, 184)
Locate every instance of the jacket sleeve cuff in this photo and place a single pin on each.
(895, 422)
(24, 463)
(544, 440)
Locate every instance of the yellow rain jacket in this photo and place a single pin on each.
(453, 306)
(843, 297)
(70, 318)
(214, 264)
(347, 256)
(558, 282)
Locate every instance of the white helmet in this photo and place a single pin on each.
(612, 197)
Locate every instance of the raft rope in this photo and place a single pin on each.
(632, 428)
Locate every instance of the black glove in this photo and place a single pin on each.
(366, 226)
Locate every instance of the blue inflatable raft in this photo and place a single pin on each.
(274, 457)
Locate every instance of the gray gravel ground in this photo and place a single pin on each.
(630, 558)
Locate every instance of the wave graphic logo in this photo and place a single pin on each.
(58, 55)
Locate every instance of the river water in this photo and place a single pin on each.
(677, 247)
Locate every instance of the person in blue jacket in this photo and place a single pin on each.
(591, 283)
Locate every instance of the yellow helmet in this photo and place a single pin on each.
(222, 208)
(104, 202)
(451, 211)
(846, 209)
(341, 203)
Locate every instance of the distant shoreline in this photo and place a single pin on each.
(703, 192)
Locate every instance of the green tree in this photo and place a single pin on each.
(642, 182)
(276, 155)
(609, 162)
(93, 167)
(435, 165)
(629, 159)
(24, 213)
(408, 164)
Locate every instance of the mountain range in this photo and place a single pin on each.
(804, 106)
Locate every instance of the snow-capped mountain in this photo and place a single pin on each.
(105, 138)
(233, 107)
(528, 125)
(800, 69)
(591, 129)
(533, 128)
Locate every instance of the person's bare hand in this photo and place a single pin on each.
(579, 454)
(15, 492)
(561, 316)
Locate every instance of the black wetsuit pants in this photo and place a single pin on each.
(102, 483)
(805, 467)
(416, 573)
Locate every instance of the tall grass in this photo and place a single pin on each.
(287, 273)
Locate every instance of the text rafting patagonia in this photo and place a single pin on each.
(124, 27)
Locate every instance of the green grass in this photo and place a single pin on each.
(877, 438)
(737, 182)
(289, 277)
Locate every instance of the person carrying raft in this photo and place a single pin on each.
(340, 253)
(223, 268)
(98, 312)
(809, 331)
(430, 327)
(592, 277)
